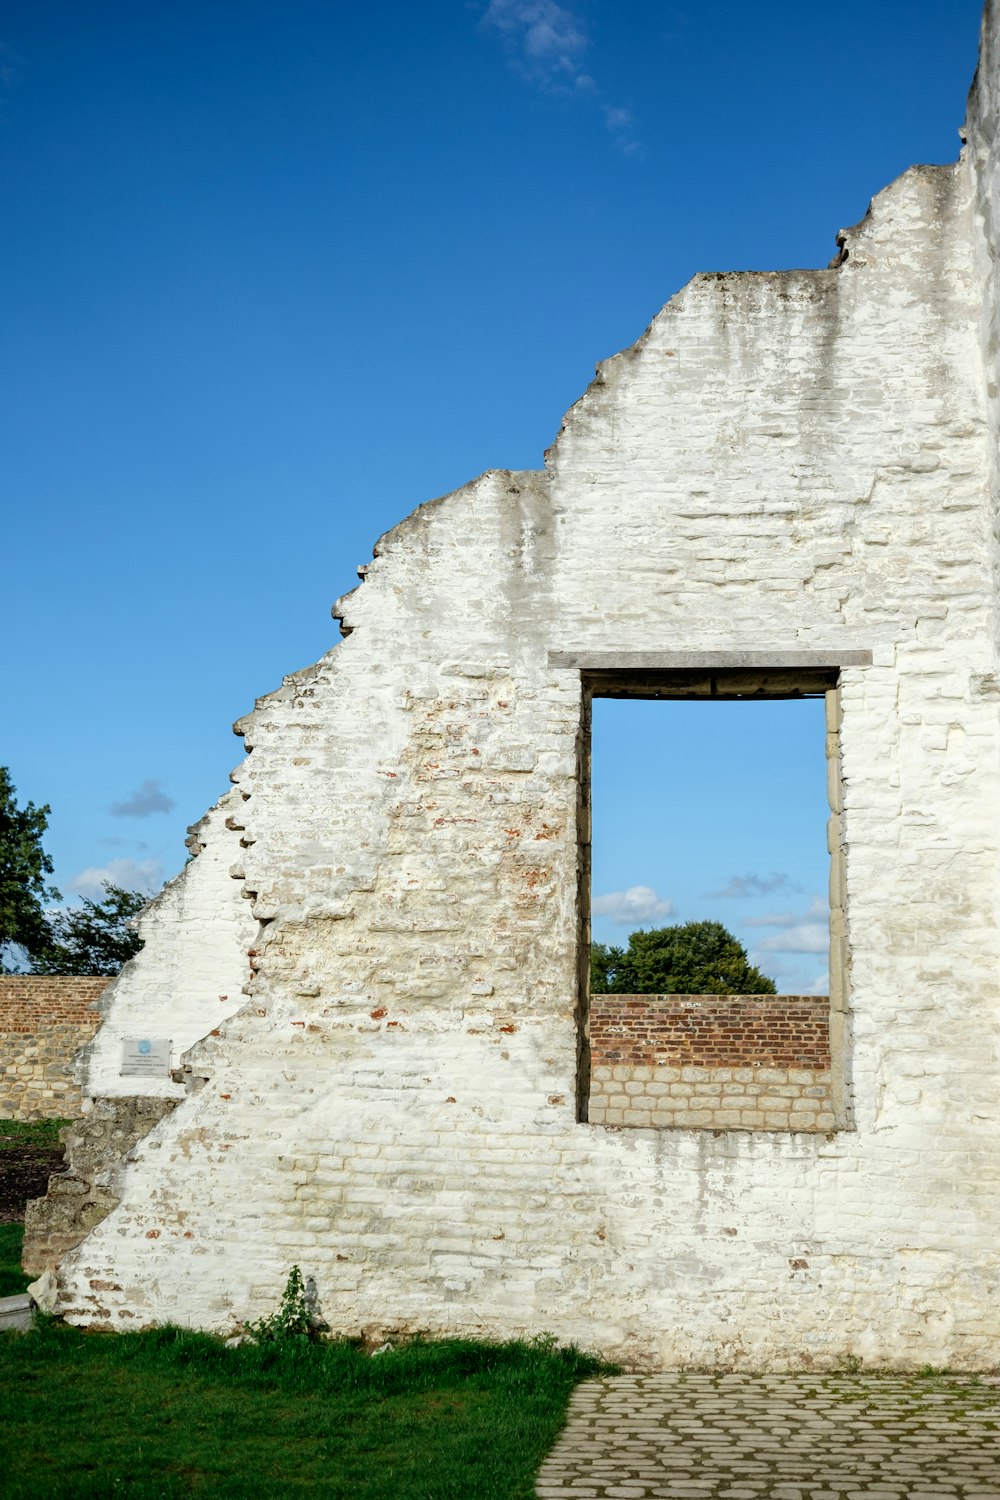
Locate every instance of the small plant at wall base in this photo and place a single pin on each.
(690, 958)
(295, 1318)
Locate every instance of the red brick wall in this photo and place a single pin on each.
(712, 1031)
(44, 1020)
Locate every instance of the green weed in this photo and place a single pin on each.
(295, 1319)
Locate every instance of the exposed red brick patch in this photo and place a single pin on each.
(712, 1031)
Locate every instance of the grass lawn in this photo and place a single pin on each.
(12, 1278)
(25, 1159)
(15, 1134)
(171, 1413)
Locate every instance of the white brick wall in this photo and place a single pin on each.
(190, 974)
(788, 460)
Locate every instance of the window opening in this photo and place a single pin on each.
(707, 800)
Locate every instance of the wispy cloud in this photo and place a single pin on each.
(545, 41)
(798, 932)
(631, 908)
(817, 912)
(147, 799)
(674, 22)
(742, 887)
(621, 124)
(132, 875)
(546, 45)
(10, 64)
(811, 937)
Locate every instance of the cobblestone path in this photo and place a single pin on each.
(778, 1437)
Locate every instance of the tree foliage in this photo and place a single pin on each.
(24, 865)
(692, 958)
(96, 937)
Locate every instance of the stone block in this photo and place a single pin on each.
(17, 1313)
(727, 1119)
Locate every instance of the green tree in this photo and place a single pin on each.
(692, 958)
(96, 937)
(24, 865)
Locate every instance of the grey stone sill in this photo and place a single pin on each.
(17, 1314)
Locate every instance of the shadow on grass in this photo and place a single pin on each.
(172, 1413)
(12, 1278)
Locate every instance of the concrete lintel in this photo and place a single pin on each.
(722, 660)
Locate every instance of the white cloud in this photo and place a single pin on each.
(631, 908)
(798, 932)
(742, 887)
(621, 124)
(147, 799)
(809, 937)
(546, 43)
(793, 976)
(132, 875)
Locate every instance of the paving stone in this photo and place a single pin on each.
(740, 1437)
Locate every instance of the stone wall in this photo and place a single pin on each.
(191, 975)
(711, 1062)
(85, 1190)
(44, 1021)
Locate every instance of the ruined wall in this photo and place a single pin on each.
(193, 968)
(44, 1021)
(711, 1062)
(189, 976)
(782, 463)
(83, 1191)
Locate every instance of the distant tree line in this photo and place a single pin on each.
(95, 937)
(690, 958)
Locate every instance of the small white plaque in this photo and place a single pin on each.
(145, 1057)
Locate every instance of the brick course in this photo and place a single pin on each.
(44, 1020)
(777, 1031)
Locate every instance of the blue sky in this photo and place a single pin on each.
(271, 276)
(715, 810)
